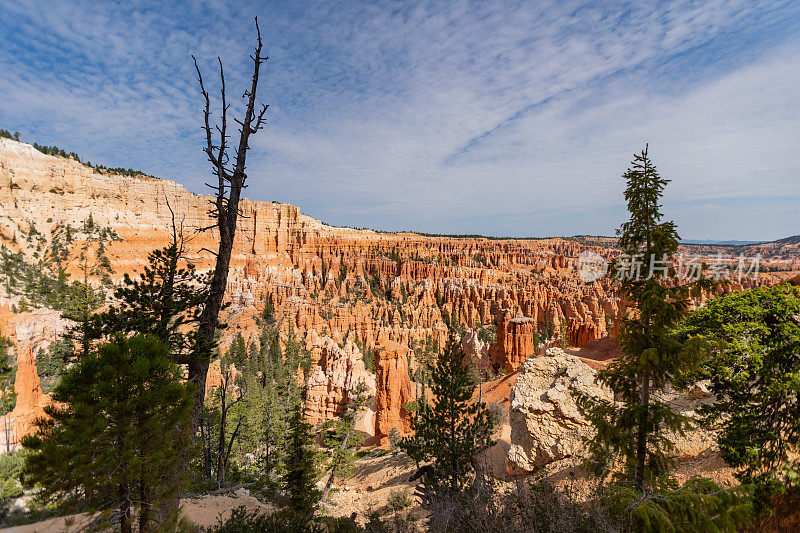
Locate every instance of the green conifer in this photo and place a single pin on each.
(633, 428)
(301, 472)
(453, 430)
(110, 436)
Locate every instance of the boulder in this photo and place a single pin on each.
(546, 422)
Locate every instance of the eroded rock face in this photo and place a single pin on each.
(546, 423)
(515, 342)
(29, 332)
(393, 390)
(349, 285)
(335, 375)
(476, 351)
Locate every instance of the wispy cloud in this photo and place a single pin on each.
(497, 118)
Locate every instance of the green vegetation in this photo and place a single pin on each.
(301, 469)
(60, 152)
(11, 465)
(50, 363)
(342, 440)
(8, 135)
(111, 433)
(755, 376)
(452, 431)
(425, 353)
(6, 376)
(244, 428)
(632, 429)
(164, 298)
(43, 281)
(121, 438)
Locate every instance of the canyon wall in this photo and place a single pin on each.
(343, 291)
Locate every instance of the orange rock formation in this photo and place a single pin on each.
(393, 390)
(351, 286)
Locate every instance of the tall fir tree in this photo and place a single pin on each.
(300, 479)
(633, 428)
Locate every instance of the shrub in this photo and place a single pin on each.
(398, 500)
(12, 488)
(394, 438)
(11, 465)
(697, 506)
(284, 521)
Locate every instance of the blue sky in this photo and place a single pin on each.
(459, 117)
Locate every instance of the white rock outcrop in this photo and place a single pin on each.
(546, 423)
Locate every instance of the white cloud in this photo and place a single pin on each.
(503, 118)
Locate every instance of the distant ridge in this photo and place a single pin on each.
(712, 242)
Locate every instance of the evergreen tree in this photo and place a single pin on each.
(109, 437)
(425, 354)
(237, 355)
(633, 427)
(166, 296)
(268, 314)
(50, 363)
(452, 431)
(8, 397)
(342, 438)
(89, 294)
(301, 473)
(225, 399)
(280, 393)
(755, 375)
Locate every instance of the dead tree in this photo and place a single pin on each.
(231, 177)
(225, 443)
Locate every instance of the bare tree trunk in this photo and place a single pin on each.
(641, 438)
(124, 509)
(225, 210)
(223, 422)
(144, 510)
(334, 468)
(230, 182)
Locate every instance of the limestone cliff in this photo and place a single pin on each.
(355, 287)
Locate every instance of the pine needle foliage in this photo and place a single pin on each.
(697, 506)
(110, 435)
(452, 430)
(634, 428)
(755, 376)
(301, 472)
(342, 439)
(165, 296)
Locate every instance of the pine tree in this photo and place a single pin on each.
(8, 397)
(109, 437)
(165, 297)
(89, 294)
(424, 354)
(301, 473)
(633, 428)
(237, 355)
(452, 431)
(83, 301)
(342, 438)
